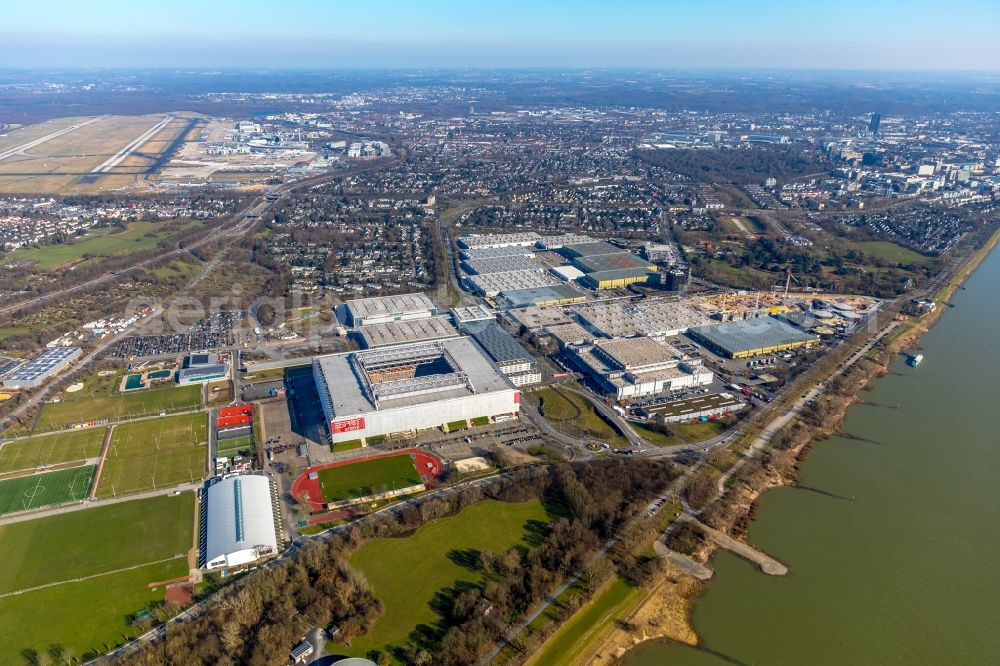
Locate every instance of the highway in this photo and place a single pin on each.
(48, 137)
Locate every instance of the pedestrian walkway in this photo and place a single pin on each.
(767, 564)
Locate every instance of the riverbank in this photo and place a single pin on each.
(779, 464)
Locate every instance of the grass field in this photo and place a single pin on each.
(30, 492)
(406, 574)
(698, 432)
(83, 406)
(90, 614)
(571, 640)
(575, 415)
(887, 251)
(51, 449)
(99, 242)
(157, 453)
(368, 477)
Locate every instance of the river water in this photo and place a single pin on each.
(893, 540)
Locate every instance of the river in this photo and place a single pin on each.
(893, 539)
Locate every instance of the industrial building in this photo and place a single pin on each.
(569, 335)
(506, 264)
(392, 333)
(701, 406)
(655, 318)
(606, 266)
(491, 284)
(541, 296)
(240, 521)
(750, 337)
(527, 239)
(635, 367)
(410, 387)
(512, 359)
(472, 314)
(201, 368)
(496, 252)
(620, 278)
(382, 309)
(45, 365)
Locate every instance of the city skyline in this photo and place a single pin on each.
(775, 35)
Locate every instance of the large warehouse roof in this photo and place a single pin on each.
(611, 262)
(403, 332)
(388, 306)
(741, 336)
(240, 521)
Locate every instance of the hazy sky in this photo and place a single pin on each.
(840, 34)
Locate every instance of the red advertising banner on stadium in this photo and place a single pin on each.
(347, 425)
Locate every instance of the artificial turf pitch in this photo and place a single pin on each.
(368, 478)
(38, 490)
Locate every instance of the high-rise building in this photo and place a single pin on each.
(873, 125)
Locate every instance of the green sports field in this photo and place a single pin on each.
(83, 406)
(408, 585)
(90, 614)
(156, 453)
(367, 478)
(52, 449)
(37, 490)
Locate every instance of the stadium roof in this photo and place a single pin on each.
(240, 520)
(748, 334)
(460, 367)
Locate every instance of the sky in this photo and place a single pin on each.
(793, 34)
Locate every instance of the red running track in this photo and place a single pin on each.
(308, 491)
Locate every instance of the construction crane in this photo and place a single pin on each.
(788, 280)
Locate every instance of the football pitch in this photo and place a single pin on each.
(157, 453)
(98, 563)
(30, 492)
(118, 406)
(32, 452)
(367, 478)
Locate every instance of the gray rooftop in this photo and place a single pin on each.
(518, 298)
(748, 334)
(499, 344)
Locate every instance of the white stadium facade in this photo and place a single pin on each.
(410, 387)
(239, 524)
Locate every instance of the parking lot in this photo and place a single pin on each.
(213, 332)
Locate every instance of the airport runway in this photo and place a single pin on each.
(48, 137)
(122, 154)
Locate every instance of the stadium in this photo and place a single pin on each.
(410, 387)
